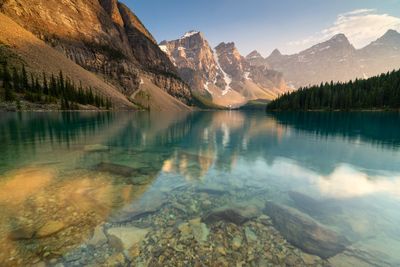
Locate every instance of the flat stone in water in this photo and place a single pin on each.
(140, 180)
(96, 148)
(311, 206)
(21, 234)
(140, 209)
(305, 233)
(236, 215)
(195, 228)
(250, 235)
(237, 242)
(212, 189)
(99, 238)
(116, 169)
(129, 236)
(50, 228)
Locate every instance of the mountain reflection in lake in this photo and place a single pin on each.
(200, 189)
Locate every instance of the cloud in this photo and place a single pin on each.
(346, 182)
(361, 26)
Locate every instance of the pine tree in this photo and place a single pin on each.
(16, 80)
(32, 87)
(53, 86)
(61, 83)
(24, 79)
(45, 85)
(38, 89)
(8, 92)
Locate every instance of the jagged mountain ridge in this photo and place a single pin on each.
(338, 60)
(104, 37)
(221, 74)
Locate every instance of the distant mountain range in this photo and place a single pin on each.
(222, 75)
(337, 60)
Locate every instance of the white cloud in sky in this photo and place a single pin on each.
(361, 26)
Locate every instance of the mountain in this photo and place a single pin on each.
(221, 75)
(104, 37)
(338, 60)
(381, 55)
(256, 59)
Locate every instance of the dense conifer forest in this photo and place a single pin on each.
(380, 92)
(17, 84)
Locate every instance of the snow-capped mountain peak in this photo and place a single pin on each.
(222, 74)
(190, 34)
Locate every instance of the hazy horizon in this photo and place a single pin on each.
(260, 25)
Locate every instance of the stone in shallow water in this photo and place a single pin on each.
(96, 148)
(50, 228)
(140, 180)
(313, 207)
(136, 176)
(116, 169)
(305, 233)
(380, 250)
(236, 215)
(21, 234)
(250, 235)
(212, 189)
(99, 238)
(237, 242)
(194, 228)
(148, 205)
(129, 236)
(117, 259)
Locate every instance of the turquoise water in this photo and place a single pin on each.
(140, 189)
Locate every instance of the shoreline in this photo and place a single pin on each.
(336, 110)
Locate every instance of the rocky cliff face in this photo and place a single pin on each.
(104, 37)
(244, 71)
(222, 75)
(256, 59)
(195, 60)
(337, 60)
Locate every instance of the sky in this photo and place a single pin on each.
(263, 25)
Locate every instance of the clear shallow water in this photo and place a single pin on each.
(108, 189)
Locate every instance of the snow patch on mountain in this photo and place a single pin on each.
(164, 48)
(206, 86)
(227, 78)
(325, 48)
(189, 34)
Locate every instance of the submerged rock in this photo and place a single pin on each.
(250, 235)
(236, 215)
(96, 148)
(116, 169)
(147, 206)
(135, 176)
(237, 242)
(129, 236)
(212, 189)
(305, 233)
(311, 206)
(50, 228)
(21, 234)
(99, 238)
(194, 228)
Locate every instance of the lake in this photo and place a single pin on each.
(222, 188)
